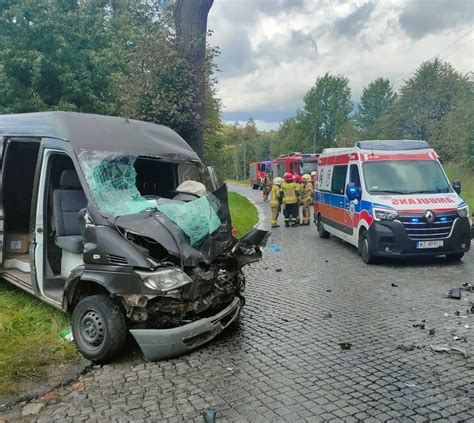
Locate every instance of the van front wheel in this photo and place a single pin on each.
(98, 328)
(365, 249)
(323, 233)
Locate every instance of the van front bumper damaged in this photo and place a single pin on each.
(159, 344)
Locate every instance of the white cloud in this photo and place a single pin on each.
(273, 51)
(260, 124)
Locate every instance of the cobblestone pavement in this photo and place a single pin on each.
(292, 367)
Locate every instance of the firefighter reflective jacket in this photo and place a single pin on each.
(307, 194)
(290, 192)
(275, 195)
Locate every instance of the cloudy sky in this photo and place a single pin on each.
(272, 51)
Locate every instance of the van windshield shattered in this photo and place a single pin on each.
(123, 184)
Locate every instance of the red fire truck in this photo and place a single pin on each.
(295, 163)
(257, 173)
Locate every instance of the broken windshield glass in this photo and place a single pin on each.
(111, 178)
(112, 181)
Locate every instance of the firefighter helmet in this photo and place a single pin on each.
(288, 176)
(306, 177)
(313, 173)
(278, 181)
(298, 179)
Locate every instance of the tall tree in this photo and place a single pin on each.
(426, 97)
(376, 100)
(191, 31)
(327, 107)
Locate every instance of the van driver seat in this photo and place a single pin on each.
(68, 200)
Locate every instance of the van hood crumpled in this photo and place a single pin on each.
(196, 231)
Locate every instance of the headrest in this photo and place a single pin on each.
(69, 180)
(192, 187)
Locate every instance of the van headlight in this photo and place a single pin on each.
(463, 211)
(384, 214)
(165, 280)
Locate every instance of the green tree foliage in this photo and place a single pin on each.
(327, 108)
(427, 97)
(53, 55)
(375, 102)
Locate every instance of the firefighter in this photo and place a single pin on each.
(266, 187)
(307, 198)
(299, 181)
(275, 201)
(290, 199)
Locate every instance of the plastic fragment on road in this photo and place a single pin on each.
(234, 370)
(66, 334)
(209, 415)
(454, 293)
(274, 248)
(448, 349)
(431, 331)
(345, 346)
(406, 347)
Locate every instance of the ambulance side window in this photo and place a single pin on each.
(354, 175)
(338, 179)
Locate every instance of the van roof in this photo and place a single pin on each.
(100, 133)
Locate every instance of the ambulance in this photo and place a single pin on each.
(391, 199)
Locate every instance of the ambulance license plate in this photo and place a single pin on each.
(429, 244)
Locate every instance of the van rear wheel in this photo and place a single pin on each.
(98, 328)
(365, 249)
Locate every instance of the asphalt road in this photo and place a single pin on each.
(284, 362)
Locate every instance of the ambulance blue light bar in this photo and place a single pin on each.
(392, 145)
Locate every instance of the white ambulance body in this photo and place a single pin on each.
(390, 199)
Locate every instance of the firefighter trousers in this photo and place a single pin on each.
(275, 213)
(306, 212)
(290, 213)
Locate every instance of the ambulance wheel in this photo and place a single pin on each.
(321, 231)
(365, 249)
(454, 257)
(98, 328)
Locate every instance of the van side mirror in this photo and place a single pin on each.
(353, 192)
(457, 186)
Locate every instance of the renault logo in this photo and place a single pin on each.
(430, 216)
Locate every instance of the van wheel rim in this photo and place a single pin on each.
(92, 328)
(365, 247)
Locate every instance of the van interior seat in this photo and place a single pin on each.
(68, 200)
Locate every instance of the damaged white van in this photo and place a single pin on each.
(118, 223)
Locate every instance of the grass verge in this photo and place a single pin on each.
(29, 340)
(466, 176)
(244, 182)
(243, 213)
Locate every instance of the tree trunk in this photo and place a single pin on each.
(191, 30)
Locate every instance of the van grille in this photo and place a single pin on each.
(418, 228)
(113, 259)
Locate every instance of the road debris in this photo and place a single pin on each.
(328, 290)
(454, 293)
(448, 349)
(77, 386)
(209, 415)
(431, 331)
(328, 315)
(394, 285)
(278, 270)
(410, 385)
(50, 396)
(234, 370)
(66, 334)
(457, 312)
(345, 345)
(406, 347)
